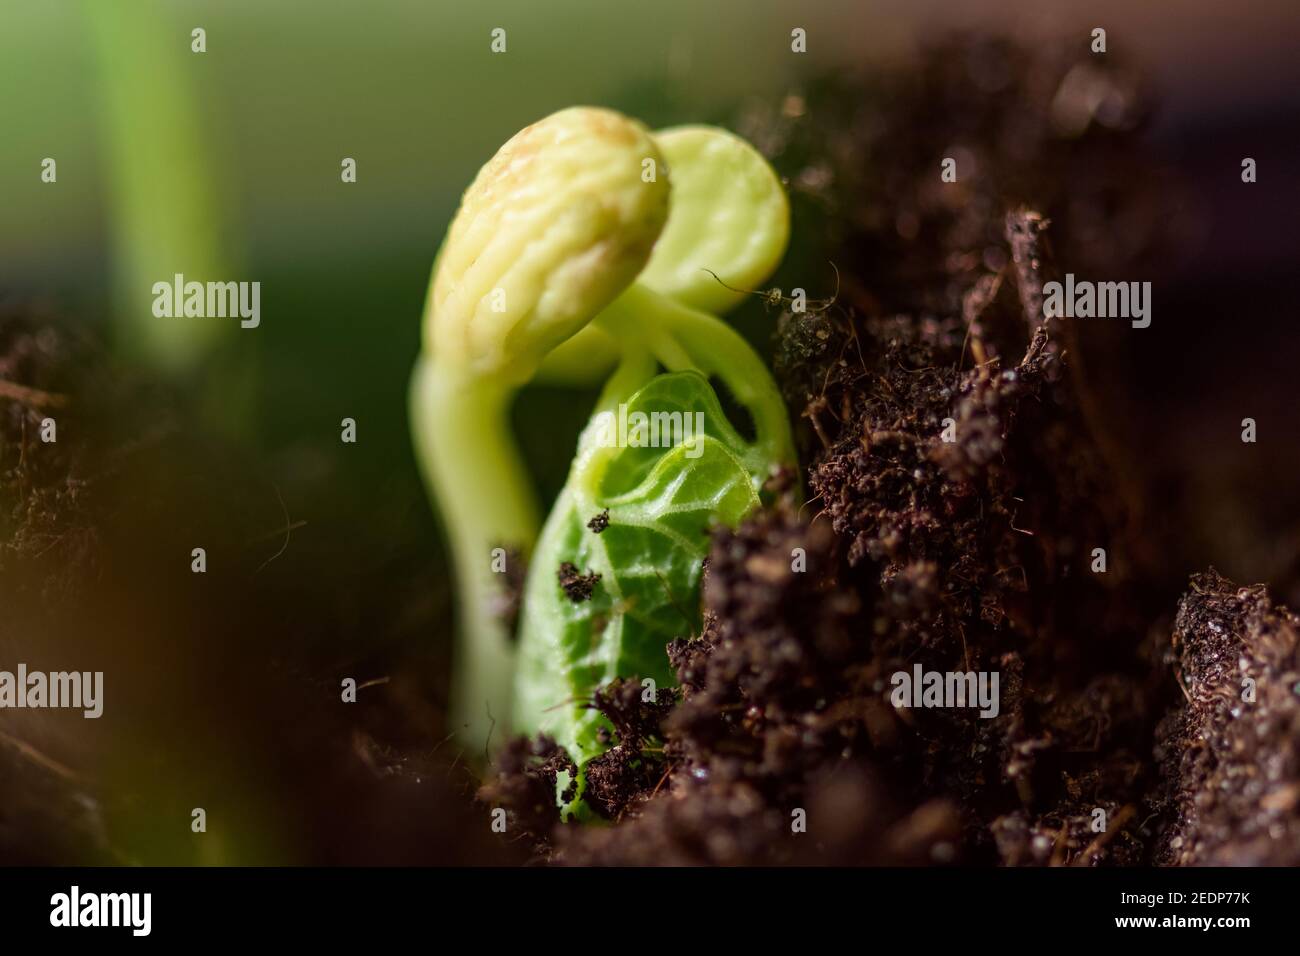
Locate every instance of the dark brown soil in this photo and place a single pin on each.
(969, 555)
(578, 587)
(1230, 758)
(48, 547)
(599, 523)
(45, 488)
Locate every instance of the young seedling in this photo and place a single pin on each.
(570, 255)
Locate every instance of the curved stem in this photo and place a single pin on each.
(470, 463)
(682, 338)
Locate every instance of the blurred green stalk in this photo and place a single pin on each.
(166, 218)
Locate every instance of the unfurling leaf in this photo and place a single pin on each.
(662, 500)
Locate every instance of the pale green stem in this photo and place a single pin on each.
(469, 460)
(684, 338)
(166, 215)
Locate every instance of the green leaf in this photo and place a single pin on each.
(662, 502)
(678, 393)
(729, 215)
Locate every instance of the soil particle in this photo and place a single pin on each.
(578, 587)
(629, 770)
(525, 785)
(599, 523)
